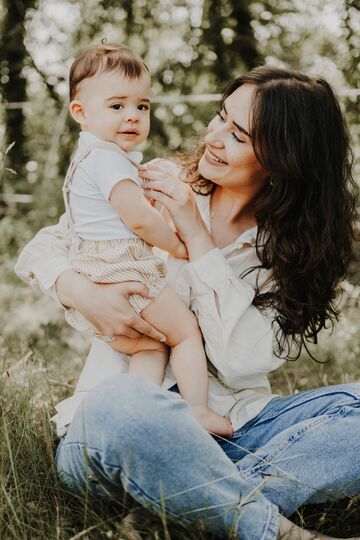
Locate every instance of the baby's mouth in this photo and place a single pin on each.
(129, 132)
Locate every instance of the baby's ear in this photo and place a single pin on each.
(77, 111)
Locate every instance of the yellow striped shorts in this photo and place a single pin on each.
(116, 261)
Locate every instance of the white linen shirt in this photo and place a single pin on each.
(238, 337)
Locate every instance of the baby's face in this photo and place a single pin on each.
(116, 109)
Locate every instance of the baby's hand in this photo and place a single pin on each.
(180, 252)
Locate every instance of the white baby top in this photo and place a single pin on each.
(93, 216)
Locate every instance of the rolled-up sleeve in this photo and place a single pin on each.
(44, 258)
(238, 337)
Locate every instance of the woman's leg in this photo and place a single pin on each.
(304, 448)
(130, 435)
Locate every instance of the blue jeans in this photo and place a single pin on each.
(131, 436)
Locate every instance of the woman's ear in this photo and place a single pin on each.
(77, 111)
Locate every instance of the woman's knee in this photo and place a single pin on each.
(128, 402)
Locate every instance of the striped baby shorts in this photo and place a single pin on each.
(116, 261)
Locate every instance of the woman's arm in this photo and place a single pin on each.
(44, 263)
(181, 206)
(106, 306)
(238, 337)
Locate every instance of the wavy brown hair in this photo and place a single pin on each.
(306, 213)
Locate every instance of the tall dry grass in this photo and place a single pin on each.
(40, 361)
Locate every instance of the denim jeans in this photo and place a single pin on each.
(131, 436)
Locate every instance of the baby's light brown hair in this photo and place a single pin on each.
(104, 58)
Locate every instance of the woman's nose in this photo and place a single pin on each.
(214, 138)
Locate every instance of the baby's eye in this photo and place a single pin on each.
(143, 107)
(116, 106)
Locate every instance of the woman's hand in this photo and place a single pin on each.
(178, 198)
(180, 252)
(106, 306)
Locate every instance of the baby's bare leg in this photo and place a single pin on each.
(149, 357)
(151, 364)
(171, 317)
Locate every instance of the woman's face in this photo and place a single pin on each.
(229, 159)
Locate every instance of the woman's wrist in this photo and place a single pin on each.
(199, 244)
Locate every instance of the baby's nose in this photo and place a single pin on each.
(132, 115)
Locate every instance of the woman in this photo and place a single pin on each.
(268, 243)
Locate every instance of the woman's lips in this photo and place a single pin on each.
(213, 160)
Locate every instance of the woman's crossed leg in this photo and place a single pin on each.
(303, 448)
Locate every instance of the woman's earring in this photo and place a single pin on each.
(271, 182)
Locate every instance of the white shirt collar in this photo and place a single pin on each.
(246, 237)
(86, 138)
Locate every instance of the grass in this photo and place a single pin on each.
(41, 358)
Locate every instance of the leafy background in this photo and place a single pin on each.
(193, 48)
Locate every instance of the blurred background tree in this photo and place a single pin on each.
(192, 47)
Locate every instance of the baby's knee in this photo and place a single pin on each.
(188, 328)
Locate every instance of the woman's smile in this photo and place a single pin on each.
(213, 159)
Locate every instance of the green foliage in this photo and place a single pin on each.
(190, 47)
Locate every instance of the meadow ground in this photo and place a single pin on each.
(40, 360)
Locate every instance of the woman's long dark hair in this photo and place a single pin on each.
(306, 213)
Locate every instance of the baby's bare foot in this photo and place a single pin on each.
(213, 422)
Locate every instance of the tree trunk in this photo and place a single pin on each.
(228, 33)
(12, 81)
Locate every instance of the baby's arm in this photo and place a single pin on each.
(128, 200)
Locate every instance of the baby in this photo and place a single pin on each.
(112, 227)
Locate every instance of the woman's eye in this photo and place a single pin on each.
(236, 138)
(116, 106)
(223, 119)
(144, 107)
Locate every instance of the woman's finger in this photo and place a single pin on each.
(174, 190)
(162, 198)
(137, 325)
(136, 287)
(128, 332)
(168, 188)
(157, 174)
(145, 328)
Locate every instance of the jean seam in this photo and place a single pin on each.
(272, 523)
(133, 484)
(266, 461)
(338, 389)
